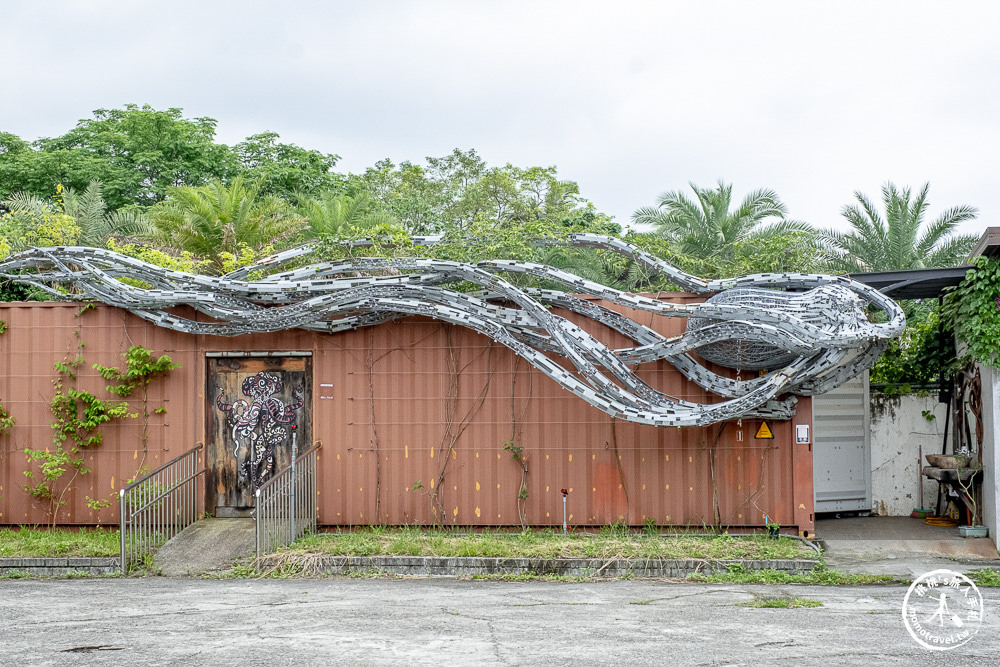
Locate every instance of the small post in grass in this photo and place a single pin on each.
(564, 492)
(291, 493)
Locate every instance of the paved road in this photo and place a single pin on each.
(160, 621)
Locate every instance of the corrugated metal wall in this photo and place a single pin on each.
(414, 416)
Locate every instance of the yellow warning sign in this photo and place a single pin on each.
(764, 433)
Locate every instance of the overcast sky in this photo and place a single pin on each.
(629, 99)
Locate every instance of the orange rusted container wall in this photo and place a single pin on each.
(414, 416)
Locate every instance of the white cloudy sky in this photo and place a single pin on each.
(630, 99)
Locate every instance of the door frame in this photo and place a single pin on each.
(210, 402)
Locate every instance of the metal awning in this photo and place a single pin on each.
(914, 283)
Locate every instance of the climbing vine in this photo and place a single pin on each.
(452, 430)
(974, 306)
(517, 453)
(6, 420)
(77, 417)
(141, 367)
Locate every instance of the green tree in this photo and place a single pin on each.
(136, 152)
(286, 169)
(405, 191)
(708, 227)
(224, 224)
(460, 192)
(900, 240)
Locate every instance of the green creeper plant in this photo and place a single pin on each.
(517, 453)
(141, 367)
(77, 418)
(6, 421)
(974, 307)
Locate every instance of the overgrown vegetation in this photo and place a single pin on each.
(141, 368)
(821, 576)
(35, 542)
(542, 543)
(923, 355)
(986, 577)
(7, 422)
(974, 306)
(780, 603)
(77, 416)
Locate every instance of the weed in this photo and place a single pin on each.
(527, 576)
(613, 542)
(821, 576)
(16, 574)
(780, 603)
(986, 578)
(76, 574)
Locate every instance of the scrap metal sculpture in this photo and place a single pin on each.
(810, 333)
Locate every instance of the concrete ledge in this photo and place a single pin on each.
(56, 567)
(570, 567)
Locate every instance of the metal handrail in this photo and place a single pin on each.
(158, 505)
(285, 505)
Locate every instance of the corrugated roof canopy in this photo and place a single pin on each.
(929, 283)
(914, 283)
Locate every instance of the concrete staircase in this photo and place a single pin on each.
(209, 546)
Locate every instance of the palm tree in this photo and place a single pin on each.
(334, 214)
(707, 227)
(217, 219)
(896, 242)
(96, 224)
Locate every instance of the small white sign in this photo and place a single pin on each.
(802, 434)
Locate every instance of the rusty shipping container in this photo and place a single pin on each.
(419, 421)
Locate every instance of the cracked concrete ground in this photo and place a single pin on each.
(159, 621)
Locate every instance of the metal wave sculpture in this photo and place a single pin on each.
(805, 333)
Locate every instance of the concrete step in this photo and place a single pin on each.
(206, 547)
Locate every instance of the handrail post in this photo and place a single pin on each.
(258, 520)
(123, 562)
(291, 492)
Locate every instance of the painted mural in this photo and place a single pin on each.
(258, 425)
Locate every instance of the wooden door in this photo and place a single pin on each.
(253, 402)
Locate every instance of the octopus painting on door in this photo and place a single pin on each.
(252, 404)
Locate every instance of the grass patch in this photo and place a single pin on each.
(986, 578)
(527, 576)
(412, 541)
(34, 542)
(780, 603)
(15, 574)
(821, 576)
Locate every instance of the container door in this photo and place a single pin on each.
(253, 402)
(842, 469)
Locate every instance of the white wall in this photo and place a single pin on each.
(898, 430)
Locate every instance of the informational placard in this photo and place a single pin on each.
(802, 434)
